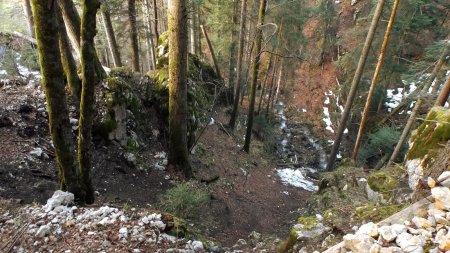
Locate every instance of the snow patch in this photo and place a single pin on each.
(295, 177)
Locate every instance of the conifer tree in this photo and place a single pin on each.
(134, 43)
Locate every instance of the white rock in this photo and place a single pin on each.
(358, 243)
(376, 248)
(415, 172)
(387, 233)
(43, 231)
(197, 245)
(123, 232)
(442, 197)
(36, 152)
(131, 158)
(421, 222)
(369, 229)
(410, 243)
(444, 179)
(391, 250)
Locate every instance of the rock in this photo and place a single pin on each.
(387, 233)
(123, 232)
(43, 231)
(442, 197)
(415, 172)
(358, 243)
(421, 222)
(369, 229)
(444, 179)
(410, 243)
(36, 152)
(73, 121)
(431, 183)
(59, 198)
(354, 2)
(197, 245)
(131, 159)
(391, 250)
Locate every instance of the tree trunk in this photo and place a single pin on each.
(192, 26)
(53, 83)
(355, 83)
(237, 84)
(29, 16)
(134, 43)
(405, 132)
(68, 63)
(178, 111)
(88, 31)
(73, 26)
(439, 79)
(255, 67)
(234, 38)
(443, 95)
(278, 87)
(263, 90)
(112, 43)
(269, 99)
(211, 51)
(155, 16)
(151, 55)
(374, 79)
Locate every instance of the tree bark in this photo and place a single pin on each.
(374, 79)
(233, 58)
(255, 67)
(354, 85)
(178, 111)
(73, 26)
(443, 95)
(29, 16)
(211, 51)
(88, 31)
(68, 63)
(269, 99)
(110, 37)
(53, 83)
(277, 92)
(151, 55)
(192, 27)
(134, 43)
(263, 90)
(155, 16)
(237, 84)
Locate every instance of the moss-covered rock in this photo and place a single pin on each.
(382, 182)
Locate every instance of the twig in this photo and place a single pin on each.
(16, 237)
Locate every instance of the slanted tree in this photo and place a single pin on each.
(354, 86)
(46, 27)
(110, 37)
(255, 68)
(233, 49)
(443, 95)
(237, 83)
(134, 43)
(29, 16)
(178, 111)
(151, 55)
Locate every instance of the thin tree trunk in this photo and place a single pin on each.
(68, 63)
(192, 35)
(151, 55)
(211, 51)
(278, 87)
(134, 43)
(29, 16)
(255, 67)
(178, 111)
(155, 17)
(197, 31)
(88, 31)
(237, 84)
(109, 30)
(443, 95)
(439, 79)
(53, 83)
(374, 79)
(269, 99)
(73, 26)
(263, 91)
(355, 83)
(405, 132)
(233, 49)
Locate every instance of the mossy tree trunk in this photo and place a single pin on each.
(155, 18)
(46, 25)
(134, 43)
(68, 62)
(73, 25)
(255, 68)
(263, 90)
(233, 49)
(211, 51)
(354, 86)
(110, 37)
(443, 95)
(237, 83)
(374, 80)
(88, 31)
(178, 111)
(29, 17)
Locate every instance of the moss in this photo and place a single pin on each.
(107, 125)
(376, 213)
(287, 244)
(308, 222)
(121, 72)
(382, 182)
(435, 130)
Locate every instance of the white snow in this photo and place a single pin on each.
(295, 177)
(327, 119)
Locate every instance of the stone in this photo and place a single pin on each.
(431, 183)
(444, 179)
(387, 233)
(421, 222)
(391, 250)
(43, 231)
(197, 245)
(369, 229)
(442, 197)
(376, 248)
(354, 2)
(131, 159)
(410, 243)
(358, 243)
(36, 152)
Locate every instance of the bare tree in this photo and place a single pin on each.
(134, 43)
(151, 56)
(110, 37)
(29, 16)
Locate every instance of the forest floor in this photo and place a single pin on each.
(246, 193)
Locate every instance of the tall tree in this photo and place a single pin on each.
(211, 51)
(134, 43)
(233, 58)
(255, 67)
(374, 79)
(178, 111)
(443, 95)
(46, 25)
(155, 18)
(354, 85)
(237, 83)
(151, 57)
(29, 16)
(110, 37)
(68, 62)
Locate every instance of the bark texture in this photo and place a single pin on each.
(443, 95)
(29, 16)
(134, 43)
(149, 38)
(178, 111)
(237, 83)
(233, 49)
(155, 17)
(110, 37)
(211, 51)
(255, 67)
(355, 83)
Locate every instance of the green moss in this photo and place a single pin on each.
(123, 72)
(107, 125)
(382, 182)
(435, 130)
(287, 244)
(308, 222)
(376, 213)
